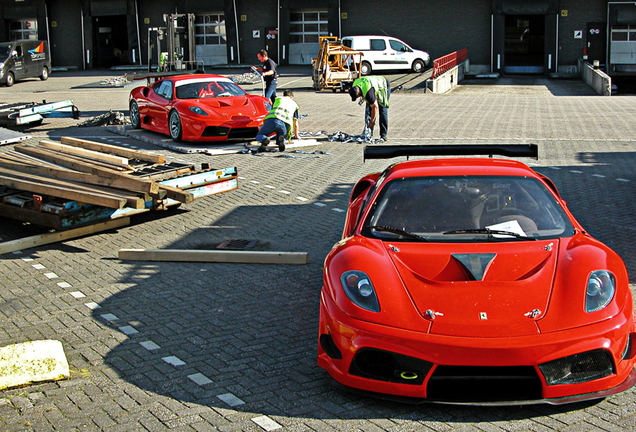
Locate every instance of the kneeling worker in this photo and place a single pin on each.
(281, 119)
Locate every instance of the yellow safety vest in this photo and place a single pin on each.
(283, 110)
(378, 83)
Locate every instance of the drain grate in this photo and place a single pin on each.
(237, 244)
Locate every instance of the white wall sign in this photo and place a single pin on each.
(256, 34)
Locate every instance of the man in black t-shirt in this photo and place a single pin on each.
(269, 74)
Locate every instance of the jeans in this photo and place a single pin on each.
(271, 125)
(270, 90)
(383, 117)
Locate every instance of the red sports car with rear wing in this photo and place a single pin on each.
(468, 280)
(198, 107)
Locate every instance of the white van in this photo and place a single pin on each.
(387, 53)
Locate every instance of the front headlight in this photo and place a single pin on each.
(359, 289)
(197, 110)
(601, 287)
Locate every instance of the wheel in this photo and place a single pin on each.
(174, 123)
(9, 79)
(365, 68)
(135, 117)
(418, 66)
(45, 74)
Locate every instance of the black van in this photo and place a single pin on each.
(24, 59)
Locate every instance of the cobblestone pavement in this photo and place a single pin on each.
(232, 347)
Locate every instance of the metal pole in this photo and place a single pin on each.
(48, 35)
(339, 21)
(83, 38)
(138, 37)
(238, 47)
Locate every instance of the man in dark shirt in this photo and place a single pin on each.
(269, 74)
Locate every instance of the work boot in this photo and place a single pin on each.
(281, 143)
(263, 147)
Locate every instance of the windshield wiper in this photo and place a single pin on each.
(491, 233)
(397, 231)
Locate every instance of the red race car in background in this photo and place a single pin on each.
(468, 280)
(198, 107)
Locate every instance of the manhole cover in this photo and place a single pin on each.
(237, 244)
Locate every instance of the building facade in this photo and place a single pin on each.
(505, 36)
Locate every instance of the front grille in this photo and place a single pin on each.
(215, 131)
(387, 366)
(483, 384)
(243, 133)
(578, 368)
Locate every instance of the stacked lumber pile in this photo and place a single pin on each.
(90, 172)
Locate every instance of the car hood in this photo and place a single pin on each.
(495, 289)
(236, 105)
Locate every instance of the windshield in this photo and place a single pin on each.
(466, 208)
(4, 51)
(201, 89)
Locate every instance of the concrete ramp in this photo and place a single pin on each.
(32, 362)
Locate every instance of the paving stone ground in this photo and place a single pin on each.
(232, 347)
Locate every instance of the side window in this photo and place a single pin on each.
(156, 87)
(347, 43)
(18, 50)
(378, 45)
(167, 89)
(163, 89)
(398, 46)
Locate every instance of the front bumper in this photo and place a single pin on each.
(196, 130)
(433, 368)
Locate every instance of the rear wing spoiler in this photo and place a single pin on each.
(511, 150)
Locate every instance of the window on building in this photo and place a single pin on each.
(307, 26)
(23, 29)
(209, 29)
(624, 33)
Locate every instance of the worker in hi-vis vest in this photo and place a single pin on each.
(375, 91)
(282, 119)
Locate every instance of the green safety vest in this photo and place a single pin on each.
(283, 110)
(378, 83)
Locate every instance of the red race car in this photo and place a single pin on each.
(468, 281)
(198, 107)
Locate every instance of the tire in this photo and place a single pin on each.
(418, 66)
(365, 68)
(45, 74)
(174, 124)
(9, 80)
(135, 117)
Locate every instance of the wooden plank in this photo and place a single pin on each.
(90, 154)
(119, 151)
(177, 194)
(133, 201)
(48, 238)
(61, 192)
(121, 182)
(66, 160)
(252, 257)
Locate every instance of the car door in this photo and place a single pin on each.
(401, 54)
(160, 99)
(20, 66)
(378, 54)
